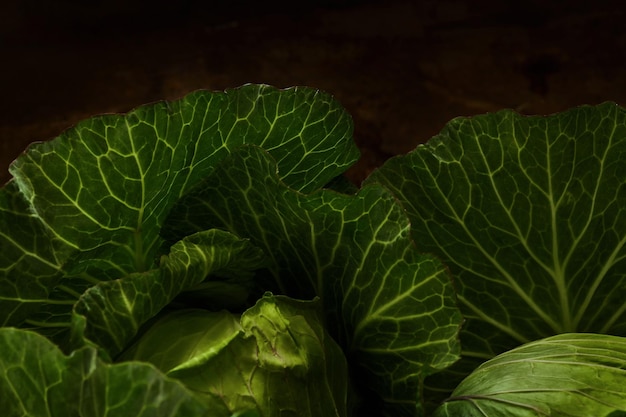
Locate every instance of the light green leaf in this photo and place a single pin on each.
(391, 308)
(37, 380)
(182, 339)
(529, 213)
(276, 359)
(575, 375)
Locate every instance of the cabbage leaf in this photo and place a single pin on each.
(276, 358)
(529, 213)
(144, 250)
(575, 375)
(391, 308)
(37, 379)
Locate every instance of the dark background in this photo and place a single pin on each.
(401, 68)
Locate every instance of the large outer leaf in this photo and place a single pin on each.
(391, 308)
(530, 215)
(277, 358)
(37, 380)
(106, 185)
(576, 375)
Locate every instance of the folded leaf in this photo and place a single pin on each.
(277, 359)
(576, 375)
(391, 308)
(115, 310)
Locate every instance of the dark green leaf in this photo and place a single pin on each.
(87, 207)
(29, 259)
(530, 215)
(106, 185)
(37, 380)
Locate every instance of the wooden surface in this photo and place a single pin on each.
(401, 68)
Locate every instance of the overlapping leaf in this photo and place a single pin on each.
(106, 185)
(530, 215)
(101, 190)
(114, 310)
(276, 358)
(36, 379)
(392, 308)
(576, 375)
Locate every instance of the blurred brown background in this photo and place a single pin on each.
(401, 68)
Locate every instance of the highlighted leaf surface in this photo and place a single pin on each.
(276, 359)
(576, 375)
